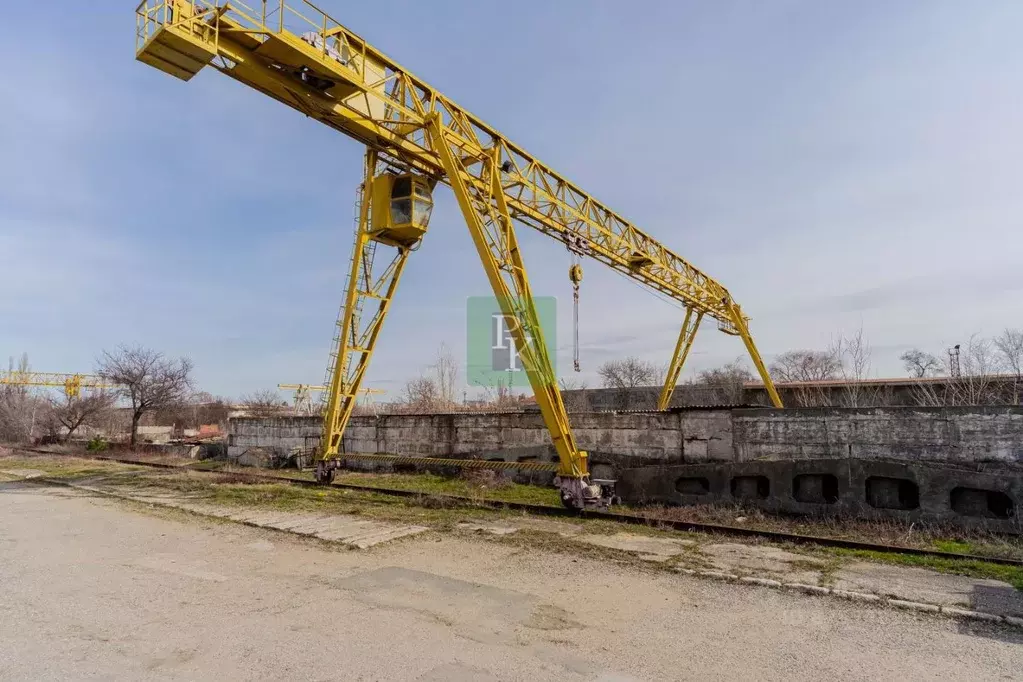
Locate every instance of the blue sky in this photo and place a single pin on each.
(836, 165)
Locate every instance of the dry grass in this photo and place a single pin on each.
(943, 537)
(473, 488)
(231, 487)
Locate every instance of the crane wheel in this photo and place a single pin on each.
(569, 504)
(325, 472)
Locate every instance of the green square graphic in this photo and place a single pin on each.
(491, 357)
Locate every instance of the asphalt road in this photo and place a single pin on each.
(96, 589)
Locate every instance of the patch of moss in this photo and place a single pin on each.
(967, 567)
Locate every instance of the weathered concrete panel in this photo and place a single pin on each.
(909, 491)
(619, 440)
(954, 435)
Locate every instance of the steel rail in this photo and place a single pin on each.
(549, 510)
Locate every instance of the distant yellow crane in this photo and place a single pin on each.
(415, 138)
(71, 383)
(303, 394)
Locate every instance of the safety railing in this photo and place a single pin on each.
(150, 16)
(192, 16)
(298, 17)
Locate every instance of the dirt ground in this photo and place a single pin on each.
(99, 588)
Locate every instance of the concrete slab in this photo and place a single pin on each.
(246, 516)
(270, 519)
(360, 533)
(759, 559)
(23, 473)
(649, 548)
(922, 585)
(487, 528)
(343, 528)
(386, 535)
(300, 521)
(314, 526)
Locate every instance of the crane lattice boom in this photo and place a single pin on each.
(303, 58)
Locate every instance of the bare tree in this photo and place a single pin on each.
(978, 365)
(724, 384)
(809, 368)
(974, 384)
(628, 373)
(1009, 345)
(264, 403)
(68, 413)
(421, 394)
(853, 355)
(446, 374)
(19, 406)
(204, 409)
(147, 379)
(498, 395)
(573, 393)
(805, 365)
(571, 384)
(920, 364)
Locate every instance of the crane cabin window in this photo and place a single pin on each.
(410, 203)
(401, 212)
(401, 201)
(421, 212)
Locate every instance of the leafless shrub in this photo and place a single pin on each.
(484, 478)
(972, 378)
(853, 355)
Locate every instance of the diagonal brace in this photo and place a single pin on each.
(685, 342)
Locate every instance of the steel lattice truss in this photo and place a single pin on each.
(303, 58)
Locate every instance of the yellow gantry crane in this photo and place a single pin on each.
(71, 383)
(416, 137)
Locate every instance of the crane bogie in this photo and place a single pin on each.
(334, 76)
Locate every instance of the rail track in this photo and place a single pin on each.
(549, 510)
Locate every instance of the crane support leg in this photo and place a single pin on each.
(685, 342)
(742, 327)
(367, 299)
(489, 221)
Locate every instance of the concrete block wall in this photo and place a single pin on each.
(616, 440)
(955, 435)
(250, 440)
(613, 440)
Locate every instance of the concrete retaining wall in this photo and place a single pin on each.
(939, 434)
(964, 435)
(909, 491)
(957, 464)
(614, 440)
